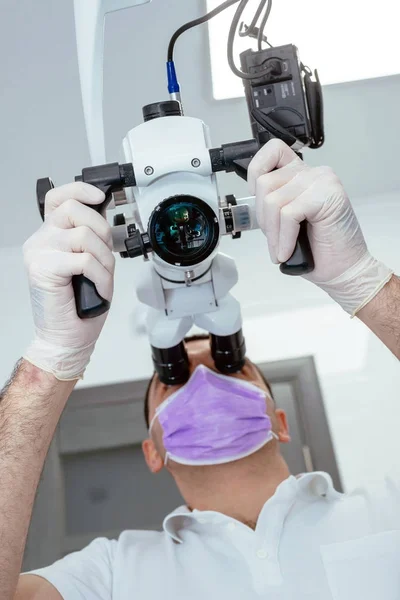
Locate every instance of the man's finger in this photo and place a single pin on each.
(271, 215)
(291, 216)
(73, 213)
(305, 207)
(274, 155)
(68, 264)
(271, 209)
(83, 239)
(303, 184)
(83, 192)
(270, 182)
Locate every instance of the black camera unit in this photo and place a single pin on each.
(284, 101)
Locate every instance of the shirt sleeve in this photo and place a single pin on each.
(84, 575)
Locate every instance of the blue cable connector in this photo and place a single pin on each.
(173, 85)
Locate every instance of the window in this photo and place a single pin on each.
(345, 40)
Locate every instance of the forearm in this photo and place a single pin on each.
(30, 408)
(382, 315)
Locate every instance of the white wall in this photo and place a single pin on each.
(43, 134)
(284, 317)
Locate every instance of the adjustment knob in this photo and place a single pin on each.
(137, 244)
(43, 186)
(134, 245)
(119, 234)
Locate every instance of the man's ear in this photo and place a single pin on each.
(152, 456)
(283, 427)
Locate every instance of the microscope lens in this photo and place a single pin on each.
(184, 230)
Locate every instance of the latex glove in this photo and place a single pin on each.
(73, 240)
(295, 192)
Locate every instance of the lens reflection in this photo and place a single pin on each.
(182, 229)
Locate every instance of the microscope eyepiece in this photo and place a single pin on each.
(228, 352)
(171, 364)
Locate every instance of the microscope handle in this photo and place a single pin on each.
(302, 261)
(89, 303)
(108, 178)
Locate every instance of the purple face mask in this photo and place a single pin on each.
(213, 419)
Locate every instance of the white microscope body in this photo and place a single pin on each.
(171, 159)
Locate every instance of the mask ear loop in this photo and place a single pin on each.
(152, 423)
(150, 428)
(157, 413)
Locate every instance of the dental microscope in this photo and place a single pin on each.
(177, 216)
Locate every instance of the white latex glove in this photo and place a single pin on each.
(295, 192)
(73, 240)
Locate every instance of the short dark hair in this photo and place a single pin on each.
(192, 338)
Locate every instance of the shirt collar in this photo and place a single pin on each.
(311, 486)
(318, 485)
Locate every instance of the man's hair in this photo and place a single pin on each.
(192, 338)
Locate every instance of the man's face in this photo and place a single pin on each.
(199, 353)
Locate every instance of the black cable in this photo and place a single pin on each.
(259, 10)
(273, 127)
(196, 22)
(263, 25)
(265, 40)
(251, 29)
(231, 41)
(288, 108)
(254, 35)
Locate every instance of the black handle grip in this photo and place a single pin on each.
(302, 261)
(108, 178)
(241, 167)
(89, 303)
(43, 186)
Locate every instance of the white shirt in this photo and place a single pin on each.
(310, 543)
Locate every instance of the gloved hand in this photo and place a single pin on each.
(73, 240)
(295, 192)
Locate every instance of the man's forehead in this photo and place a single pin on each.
(197, 346)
